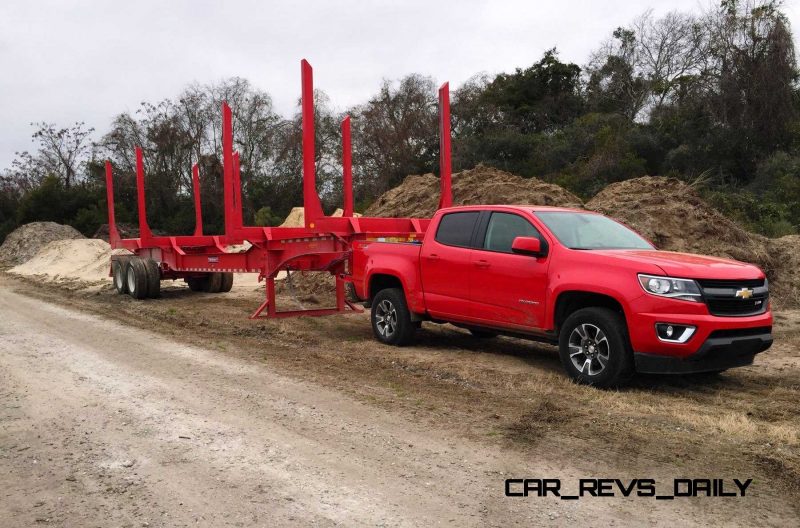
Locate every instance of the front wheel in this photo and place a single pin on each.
(595, 349)
(391, 319)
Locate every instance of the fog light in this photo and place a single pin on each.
(674, 333)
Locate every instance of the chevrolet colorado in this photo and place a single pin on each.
(612, 303)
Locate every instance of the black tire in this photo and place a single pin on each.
(118, 275)
(604, 358)
(153, 278)
(137, 278)
(227, 282)
(391, 320)
(197, 284)
(214, 282)
(482, 334)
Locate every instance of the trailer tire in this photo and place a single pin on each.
(153, 278)
(391, 319)
(197, 284)
(214, 283)
(227, 282)
(137, 278)
(595, 349)
(118, 274)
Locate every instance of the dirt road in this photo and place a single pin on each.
(104, 424)
(108, 425)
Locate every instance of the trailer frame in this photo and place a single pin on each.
(324, 244)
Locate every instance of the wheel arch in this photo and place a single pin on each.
(380, 280)
(569, 301)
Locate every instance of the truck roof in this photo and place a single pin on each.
(518, 207)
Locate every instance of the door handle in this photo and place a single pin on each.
(482, 263)
(432, 256)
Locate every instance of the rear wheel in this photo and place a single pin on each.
(391, 319)
(197, 284)
(137, 278)
(214, 283)
(153, 278)
(227, 282)
(118, 273)
(595, 349)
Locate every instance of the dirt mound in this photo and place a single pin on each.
(312, 287)
(418, 196)
(73, 260)
(784, 284)
(674, 217)
(125, 231)
(25, 241)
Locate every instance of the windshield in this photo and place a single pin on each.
(590, 231)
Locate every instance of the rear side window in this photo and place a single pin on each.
(503, 228)
(455, 229)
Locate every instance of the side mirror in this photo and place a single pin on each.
(528, 246)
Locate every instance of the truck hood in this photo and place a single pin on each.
(687, 265)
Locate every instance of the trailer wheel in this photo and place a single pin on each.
(137, 278)
(391, 319)
(197, 284)
(153, 278)
(214, 282)
(595, 349)
(118, 273)
(227, 282)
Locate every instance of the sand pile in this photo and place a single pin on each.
(297, 217)
(418, 196)
(74, 260)
(25, 241)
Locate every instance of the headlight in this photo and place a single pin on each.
(683, 289)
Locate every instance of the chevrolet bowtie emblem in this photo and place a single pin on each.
(744, 293)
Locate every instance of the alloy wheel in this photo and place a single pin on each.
(589, 349)
(386, 318)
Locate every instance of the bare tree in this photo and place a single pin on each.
(645, 65)
(61, 152)
(395, 134)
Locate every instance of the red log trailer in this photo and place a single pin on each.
(207, 262)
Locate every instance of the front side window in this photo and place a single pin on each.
(455, 229)
(590, 231)
(503, 228)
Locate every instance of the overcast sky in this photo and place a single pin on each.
(64, 61)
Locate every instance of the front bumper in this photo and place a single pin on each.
(722, 350)
(718, 343)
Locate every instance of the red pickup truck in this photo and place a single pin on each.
(612, 303)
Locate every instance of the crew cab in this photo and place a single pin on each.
(612, 302)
